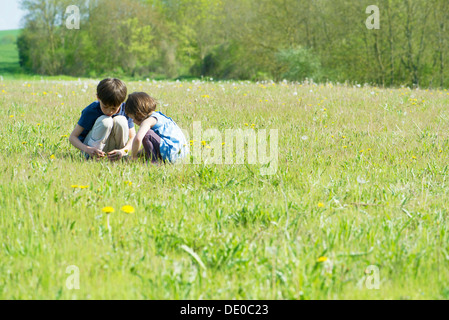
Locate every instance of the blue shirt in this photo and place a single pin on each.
(90, 115)
(173, 142)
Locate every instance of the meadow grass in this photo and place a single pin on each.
(361, 181)
(9, 55)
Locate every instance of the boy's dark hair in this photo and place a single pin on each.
(112, 92)
(140, 105)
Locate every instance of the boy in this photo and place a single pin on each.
(104, 128)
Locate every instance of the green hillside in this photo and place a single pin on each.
(9, 55)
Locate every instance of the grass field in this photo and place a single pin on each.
(361, 182)
(9, 55)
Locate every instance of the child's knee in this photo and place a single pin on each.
(146, 142)
(147, 138)
(100, 131)
(120, 121)
(105, 122)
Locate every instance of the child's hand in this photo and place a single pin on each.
(95, 153)
(116, 155)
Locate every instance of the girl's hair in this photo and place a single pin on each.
(140, 105)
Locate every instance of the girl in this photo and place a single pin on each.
(162, 139)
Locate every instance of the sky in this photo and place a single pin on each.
(10, 14)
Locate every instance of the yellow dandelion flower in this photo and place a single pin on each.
(74, 186)
(320, 205)
(108, 210)
(203, 143)
(11, 116)
(322, 259)
(24, 143)
(40, 144)
(246, 124)
(84, 187)
(414, 158)
(52, 157)
(128, 209)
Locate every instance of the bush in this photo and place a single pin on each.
(297, 64)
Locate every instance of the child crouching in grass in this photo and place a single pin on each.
(162, 139)
(104, 129)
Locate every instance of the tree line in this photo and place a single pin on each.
(323, 40)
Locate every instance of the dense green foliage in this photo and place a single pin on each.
(242, 39)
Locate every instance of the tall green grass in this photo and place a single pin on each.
(361, 181)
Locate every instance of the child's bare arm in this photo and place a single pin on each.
(76, 142)
(144, 127)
